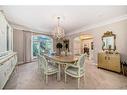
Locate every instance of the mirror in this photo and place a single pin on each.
(108, 40)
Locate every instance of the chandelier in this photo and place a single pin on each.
(58, 31)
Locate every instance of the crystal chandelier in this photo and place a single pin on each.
(58, 31)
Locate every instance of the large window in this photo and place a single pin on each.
(41, 44)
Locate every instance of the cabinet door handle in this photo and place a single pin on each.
(108, 58)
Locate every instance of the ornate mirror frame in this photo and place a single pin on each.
(109, 34)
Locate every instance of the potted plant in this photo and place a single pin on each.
(59, 46)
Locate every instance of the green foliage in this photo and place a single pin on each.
(42, 44)
(35, 50)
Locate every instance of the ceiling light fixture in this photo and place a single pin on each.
(58, 32)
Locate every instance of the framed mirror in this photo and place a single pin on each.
(109, 41)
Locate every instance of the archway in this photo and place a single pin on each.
(83, 44)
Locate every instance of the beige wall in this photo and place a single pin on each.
(77, 46)
(119, 28)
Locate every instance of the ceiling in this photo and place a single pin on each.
(85, 37)
(43, 18)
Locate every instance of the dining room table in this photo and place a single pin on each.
(62, 60)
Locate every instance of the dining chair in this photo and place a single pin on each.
(76, 70)
(39, 62)
(47, 68)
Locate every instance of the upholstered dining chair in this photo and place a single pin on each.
(47, 68)
(76, 70)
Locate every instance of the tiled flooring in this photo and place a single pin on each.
(27, 76)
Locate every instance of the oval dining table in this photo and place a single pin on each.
(62, 59)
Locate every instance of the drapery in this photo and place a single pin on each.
(26, 46)
(22, 45)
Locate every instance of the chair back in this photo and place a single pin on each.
(39, 61)
(81, 61)
(43, 62)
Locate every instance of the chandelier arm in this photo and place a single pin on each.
(58, 31)
(58, 21)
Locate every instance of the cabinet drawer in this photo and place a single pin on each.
(2, 79)
(2, 75)
(5, 71)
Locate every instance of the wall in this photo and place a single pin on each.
(77, 46)
(119, 28)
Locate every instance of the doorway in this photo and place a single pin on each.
(83, 44)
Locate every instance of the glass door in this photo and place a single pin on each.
(41, 44)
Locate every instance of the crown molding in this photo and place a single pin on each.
(86, 28)
(20, 27)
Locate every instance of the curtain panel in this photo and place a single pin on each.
(22, 45)
(26, 46)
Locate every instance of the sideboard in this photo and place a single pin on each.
(7, 66)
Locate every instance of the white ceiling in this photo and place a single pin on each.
(42, 18)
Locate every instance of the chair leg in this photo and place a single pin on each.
(38, 68)
(16, 69)
(59, 73)
(84, 80)
(78, 82)
(58, 76)
(65, 78)
(43, 78)
(46, 79)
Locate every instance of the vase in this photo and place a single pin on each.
(65, 52)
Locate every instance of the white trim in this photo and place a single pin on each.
(83, 29)
(32, 57)
(20, 27)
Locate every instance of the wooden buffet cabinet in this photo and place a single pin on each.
(109, 61)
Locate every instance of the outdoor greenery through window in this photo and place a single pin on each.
(42, 44)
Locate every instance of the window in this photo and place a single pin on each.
(41, 44)
(7, 38)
